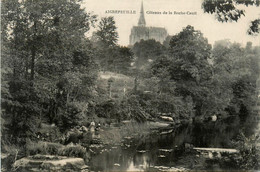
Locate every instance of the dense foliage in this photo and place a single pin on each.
(46, 61)
(51, 80)
(221, 81)
(228, 10)
(109, 55)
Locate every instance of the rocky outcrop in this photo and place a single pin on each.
(50, 163)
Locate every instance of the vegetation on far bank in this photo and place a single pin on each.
(54, 78)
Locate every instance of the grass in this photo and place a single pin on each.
(120, 82)
(49, 148)
(33, 148)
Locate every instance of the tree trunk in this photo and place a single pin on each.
(135, 84)
(33, 63)
(27, 65)
(68, 98)
(33, 51)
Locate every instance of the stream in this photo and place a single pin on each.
(159, 152)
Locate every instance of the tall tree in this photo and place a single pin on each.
(188, 67)
(44, 41)
(237, 71)
(107, 33)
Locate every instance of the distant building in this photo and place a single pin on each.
(142, 32)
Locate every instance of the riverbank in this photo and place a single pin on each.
(86, 145)
(141, 146)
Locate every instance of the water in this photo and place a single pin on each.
(166, 151)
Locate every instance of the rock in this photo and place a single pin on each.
(84, 129)
(126, 121)
(210, 155)
(167, 118)
(158, 125)
(167, 132)
(166, 150)
(214, 118)
(49, 163)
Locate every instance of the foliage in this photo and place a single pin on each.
(218, 82)
(46, 61)
(9, 154)
(167, 40)
(106, 33)
(73, 151)
(117, 59)
(227, 10)
(147, 51)
(236, 71)
(254, 27)
(108, 109)
(109, 55)
(47, 148)
(189, 67)
(249, 152)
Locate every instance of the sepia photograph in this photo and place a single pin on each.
(130, 85)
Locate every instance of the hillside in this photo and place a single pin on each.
(121, 84)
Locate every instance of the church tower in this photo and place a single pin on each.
(142, 32)
(141, 21)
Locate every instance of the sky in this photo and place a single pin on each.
(174, 23)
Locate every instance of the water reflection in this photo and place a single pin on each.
(140, 163)
(158, 151)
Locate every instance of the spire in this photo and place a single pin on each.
(141, 21)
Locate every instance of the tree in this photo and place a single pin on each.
(109, 55)
(226, 10)
(44, 44)
(188, 68)
(167, 40)
(236, 70)
(106, 33)
(122, 62)
(147, 50)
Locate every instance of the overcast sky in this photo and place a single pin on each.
(206, 23)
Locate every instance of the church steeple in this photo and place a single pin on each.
(141, 21)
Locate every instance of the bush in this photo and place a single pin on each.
(33, 148)
(49, 148)
(249, 152)
(72, 150)
(9, 154)
(69, 116)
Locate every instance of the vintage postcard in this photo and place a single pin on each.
(130, 85)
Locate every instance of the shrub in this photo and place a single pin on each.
(73, 150)
(249, 152)
(33, 148)
(48, 148)
(9, 154)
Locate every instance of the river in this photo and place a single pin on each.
(158, 151)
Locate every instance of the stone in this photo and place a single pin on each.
(167, 118)
(49, 163)
(214, 118)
